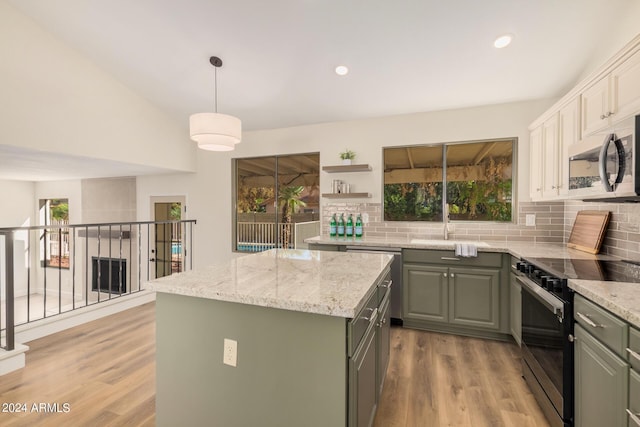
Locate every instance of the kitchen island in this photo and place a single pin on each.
(309, 328)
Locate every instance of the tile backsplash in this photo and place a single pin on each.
(553, 225)
(623, 234)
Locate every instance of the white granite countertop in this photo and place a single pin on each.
(329, 283)
(622, 299)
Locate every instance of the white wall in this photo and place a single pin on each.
(208, 191)
(17, 204)
(17, 207)
(53, 99)
(615, 35)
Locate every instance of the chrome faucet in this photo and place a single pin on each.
(445, 220)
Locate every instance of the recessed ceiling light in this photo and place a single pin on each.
(342, 70)
(503, 41)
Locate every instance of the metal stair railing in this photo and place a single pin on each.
(87, 264)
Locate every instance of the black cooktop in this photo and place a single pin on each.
(590, 269)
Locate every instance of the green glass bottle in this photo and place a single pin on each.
(333, 226)
(349, 229)
(359, 226)
(341, 226)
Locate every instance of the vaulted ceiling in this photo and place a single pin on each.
(279, 56)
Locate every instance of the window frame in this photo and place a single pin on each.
(514, 178)
(234, 193)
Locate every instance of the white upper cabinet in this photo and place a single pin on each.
(595, 107)
(625, 88)
(568, 134)
(535, 171)
(614, 97)
(549, 143)
(610, 95)
(550, 158)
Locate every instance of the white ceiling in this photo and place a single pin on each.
(404, 56)
(30, 165)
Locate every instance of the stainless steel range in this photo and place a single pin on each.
(547, 325)
(547, 340)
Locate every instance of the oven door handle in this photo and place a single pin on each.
(550, 302)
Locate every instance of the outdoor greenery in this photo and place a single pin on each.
(290, 202)
(252, 199)
(59, 209)
(484, 200)
(413, 202)
(176, 212)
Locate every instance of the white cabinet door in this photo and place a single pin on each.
(625, 89)
(569, 133)
(595, 107)
(550, 158)
(535, 171)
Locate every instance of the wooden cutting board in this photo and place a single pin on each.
(588, 231)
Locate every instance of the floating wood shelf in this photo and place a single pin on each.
(346, 195)
(346, 168)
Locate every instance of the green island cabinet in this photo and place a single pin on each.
(294, 368)
(446, 293)
(607, 384)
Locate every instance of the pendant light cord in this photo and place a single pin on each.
(215, 90)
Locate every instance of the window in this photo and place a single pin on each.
(54, 246)
(274, 197)
(474, 178)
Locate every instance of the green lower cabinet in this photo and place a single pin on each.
(384, 345)
(426, 293)
(368, 364)
(362, 382)
(601, 383)
(634, 399)
(474, 297)
(452, 296)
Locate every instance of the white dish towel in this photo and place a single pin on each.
(466, 250)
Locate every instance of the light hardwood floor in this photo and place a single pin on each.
(105, 371)
(438, 380)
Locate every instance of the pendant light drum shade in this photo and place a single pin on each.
(215, 131)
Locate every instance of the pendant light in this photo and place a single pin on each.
(215, 131)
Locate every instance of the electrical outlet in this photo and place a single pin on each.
(365, 218)
(531, 220)
(230, 356)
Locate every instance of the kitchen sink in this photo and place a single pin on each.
(448, 243)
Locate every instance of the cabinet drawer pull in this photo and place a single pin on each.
(633, 354)
(386, 284)
(588, 321)
(374, 315)
(453, 275)
(634, 416)
(449, 258)
(444, 274)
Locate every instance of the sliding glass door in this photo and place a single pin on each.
(274, 196)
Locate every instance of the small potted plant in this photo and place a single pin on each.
(347, 156)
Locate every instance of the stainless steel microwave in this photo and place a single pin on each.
(605, 166)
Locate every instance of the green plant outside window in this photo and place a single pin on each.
(478, 177)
